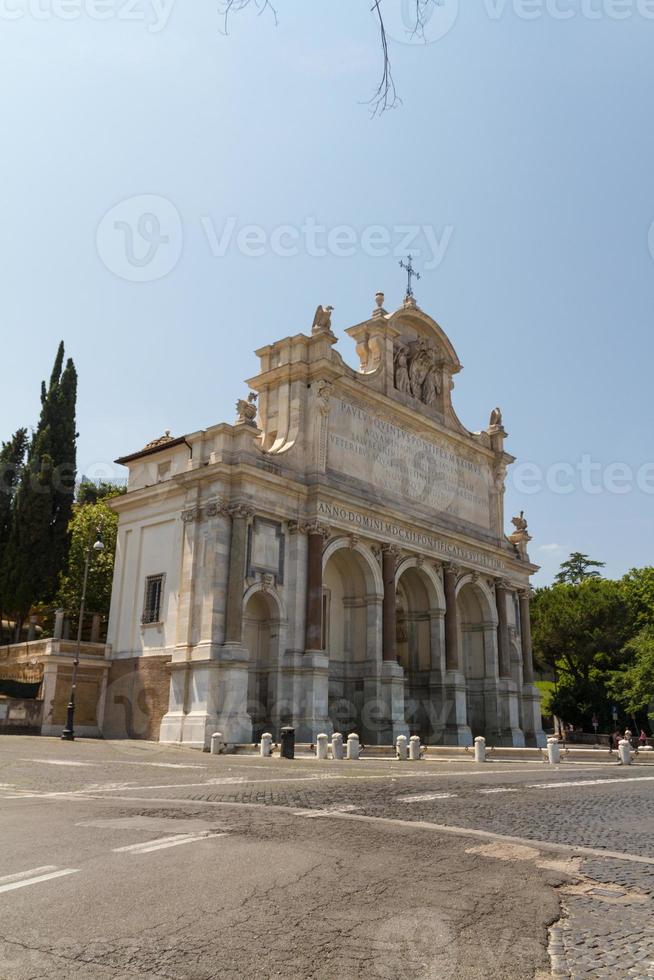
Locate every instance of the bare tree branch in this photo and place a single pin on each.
(385, 96)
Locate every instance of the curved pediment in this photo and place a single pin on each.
(414, 326)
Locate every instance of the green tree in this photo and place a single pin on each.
(578, 568)
(87, 519)
(633, 686)
(638, 586)
(12, 457)
(580, 631)
(38, 540)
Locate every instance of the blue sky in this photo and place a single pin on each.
(524, 146)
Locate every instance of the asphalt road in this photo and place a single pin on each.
(128, 860)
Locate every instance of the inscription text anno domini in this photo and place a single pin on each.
(392, 459)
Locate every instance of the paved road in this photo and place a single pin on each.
(128, 860)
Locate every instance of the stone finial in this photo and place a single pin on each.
(379, 306)
(247, 410)
(322, 321)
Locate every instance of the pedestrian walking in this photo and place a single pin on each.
(642, 738)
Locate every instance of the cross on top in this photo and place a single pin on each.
(410, 272)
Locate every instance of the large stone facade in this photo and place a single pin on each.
(334, 560)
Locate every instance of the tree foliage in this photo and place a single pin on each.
(88, 519)
(578, 568)
(38, 536)
(597, 637)
(12, 457)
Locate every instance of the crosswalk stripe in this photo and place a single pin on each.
(145, 847)
(33, 877)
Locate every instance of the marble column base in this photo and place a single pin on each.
(392, 692)
(312, 718)
(457, 731)
(531, 717)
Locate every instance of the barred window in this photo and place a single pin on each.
(154, 586)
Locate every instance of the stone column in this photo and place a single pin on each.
(313, 635)
(530, 694)
(452, 660)
(313, 717)
(503, 647)
(525, 632)
(389, 568)
(236, 577)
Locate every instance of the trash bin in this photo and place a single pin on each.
(287, 743)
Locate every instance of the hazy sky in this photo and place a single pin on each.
(520, 164)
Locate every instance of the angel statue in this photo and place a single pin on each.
(496, 418)
(247, 410)
(322, 321)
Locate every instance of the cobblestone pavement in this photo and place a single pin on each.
(426, 899)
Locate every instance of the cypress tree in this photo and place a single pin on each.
(38, 539)
(12, 457)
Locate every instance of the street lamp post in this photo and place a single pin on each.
(68, 734)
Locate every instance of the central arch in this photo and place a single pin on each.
(352, 604)
(420, 607)
(263, 624)
(477, 617)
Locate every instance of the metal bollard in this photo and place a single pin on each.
(337, 746)
(265, 746)
(415, 748)
(322, 746)
(624, 750)
(480, 749)
(401, 748)
(353, 747)
(217, 743)
(553, 751)
(287, 742)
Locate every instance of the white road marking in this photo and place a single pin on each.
(590, 782)
(426, 797)
(145, 847)
(11, 882)
(498, 789)
(59, 762)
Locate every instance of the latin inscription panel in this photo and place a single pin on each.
(405, 465)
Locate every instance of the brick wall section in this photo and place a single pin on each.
(137, 698)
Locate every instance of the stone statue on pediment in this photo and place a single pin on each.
(431, 387)
(247, 410)
(402, 382)
(322, 321)
(496, 418)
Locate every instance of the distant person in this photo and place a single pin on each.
(616, 739)
(642, 738)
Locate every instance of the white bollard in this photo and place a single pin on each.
(553, 751)
(353, 747)
(401, 748)
(414, 748)
(322, 745)
(480, 749)
(217, 744)
(624, 750)
(337, 746)
(265, 746)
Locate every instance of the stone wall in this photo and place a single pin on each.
(136, 698)
(19, 716)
